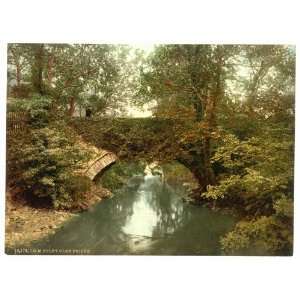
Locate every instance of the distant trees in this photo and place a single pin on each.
(73, 75)
(17, 69)
(16, 58)
(82, 71)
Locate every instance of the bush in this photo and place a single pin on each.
(22, 91)
(77, 188)
(37, 107)
(257, 184)
(264, 235)
(44, 165)
(255, 175)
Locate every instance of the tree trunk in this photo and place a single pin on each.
(210, 121)
(18, 75)
(50, 69)
(17, 62)
(71, 106)
(37, 68)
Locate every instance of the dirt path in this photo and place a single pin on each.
(24, 224)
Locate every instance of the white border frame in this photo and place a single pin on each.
(133, 21)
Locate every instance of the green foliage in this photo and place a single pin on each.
(97, 104)
(119, 173)
(37, 107)
(284, 207)
(226, 112)
(146, 138)
(269, 235)
(258, 184)
(77, 188)
(99, 76)
(177, 174)
(21, 91)
(44, 167)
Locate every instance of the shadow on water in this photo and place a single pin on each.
(145, 217)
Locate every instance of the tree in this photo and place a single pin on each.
(86, 75)
(190, 77)
(37, 67)
(16, 58)
(79, 69)
(18, 66)
(255, 164)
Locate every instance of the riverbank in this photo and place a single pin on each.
(25, 224)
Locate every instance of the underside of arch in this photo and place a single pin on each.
(99, 164)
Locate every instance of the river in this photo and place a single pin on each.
(146, 217)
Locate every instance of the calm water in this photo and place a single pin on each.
(146, 217)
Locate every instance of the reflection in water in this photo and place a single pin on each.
(154, 212)
(146, 217)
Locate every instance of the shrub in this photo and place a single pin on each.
(77, 187)
(37, 107)
(263, 235)
(257, 183)
(21, 91)
(45, 165)
(255, 174)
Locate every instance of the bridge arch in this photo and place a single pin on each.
(99, 164)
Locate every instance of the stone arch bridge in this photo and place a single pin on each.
(99, 159)
(99, 163)
(139, 138)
